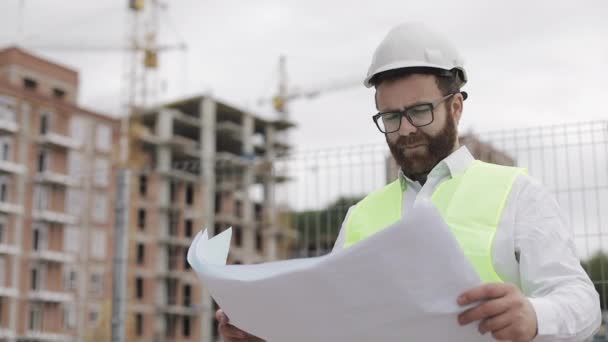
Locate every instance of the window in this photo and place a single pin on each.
(188, 227)
(80, 129)
(172, 192)
(97, 283)
(43, 160)
(100, 208)
(29, 83)
(171, 286)
(171, 258)
(40, 237)
(218, 202)
(3, 189)
(141, 218)
(259, 244)
(76, 167)
(45, 123)
(41, 197)
(8, 108)
(102, 172)
(187, 295)
(143, 185)
(93, 316)
(71, 239)
(170, 324)
(74, 201)
(190, 194)
(237, 236)
(103, 138)
(3, 236)
(238, 208)
(35, 316)
(186, 326)
(139, 324)
(6, 149)
(58, 93)
(139, 288)
(98, 244)
(35, 278)
(2, 271)
(69, 316)
(70, 279)
(186, 264)
(141, 254)
(173, 220)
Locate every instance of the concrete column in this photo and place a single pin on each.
(249, 223)
(207, 110)
(164, 131)
(270, 242)
(19, 258)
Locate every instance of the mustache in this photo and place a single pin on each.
(410, 140)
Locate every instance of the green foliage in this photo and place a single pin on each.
(597, 269)
(325, 223)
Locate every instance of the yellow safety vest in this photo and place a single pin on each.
(471, 203)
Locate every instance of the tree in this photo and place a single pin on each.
(321, 225)
(597, 269)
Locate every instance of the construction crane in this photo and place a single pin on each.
(283, 96)
(141, 77)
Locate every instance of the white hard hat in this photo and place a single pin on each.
(413, 45)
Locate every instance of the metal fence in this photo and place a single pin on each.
(570, 159)
(319, 186)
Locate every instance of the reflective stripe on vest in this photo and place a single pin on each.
(471, 203)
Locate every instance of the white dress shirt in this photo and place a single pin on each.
(533, 248)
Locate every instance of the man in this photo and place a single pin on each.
(509, 227)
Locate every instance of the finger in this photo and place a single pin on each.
(484, 292)
(485, 310)
(503, 334)
(495, 323)
(229, 330)
(221, 316)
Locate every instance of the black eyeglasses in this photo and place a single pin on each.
(419, 115)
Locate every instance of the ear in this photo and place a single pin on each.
(456, 107)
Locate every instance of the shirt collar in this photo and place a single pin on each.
(455, 163)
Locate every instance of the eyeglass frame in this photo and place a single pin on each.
(403, 113)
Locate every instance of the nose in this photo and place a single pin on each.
(406, 127)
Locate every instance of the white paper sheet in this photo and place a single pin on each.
(401, 284)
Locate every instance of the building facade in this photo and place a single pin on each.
(56, 200)
(203, 163)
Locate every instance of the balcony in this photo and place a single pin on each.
(59, 140)
(180, 175)
(11, 167)
(8, 249)
(53, 256)
(174, 240)
(191, 310)
(54, 217)
(10, 208)
(36, 335)
(7, 334)
(7, 126)
(8, 292)
(50, 296)
(57, 178)
(230, 129)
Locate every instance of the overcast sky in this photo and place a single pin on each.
(529, 62)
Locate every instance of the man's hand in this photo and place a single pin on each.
(504, 311)
(230, 333)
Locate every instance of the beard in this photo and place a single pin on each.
(417, 163)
